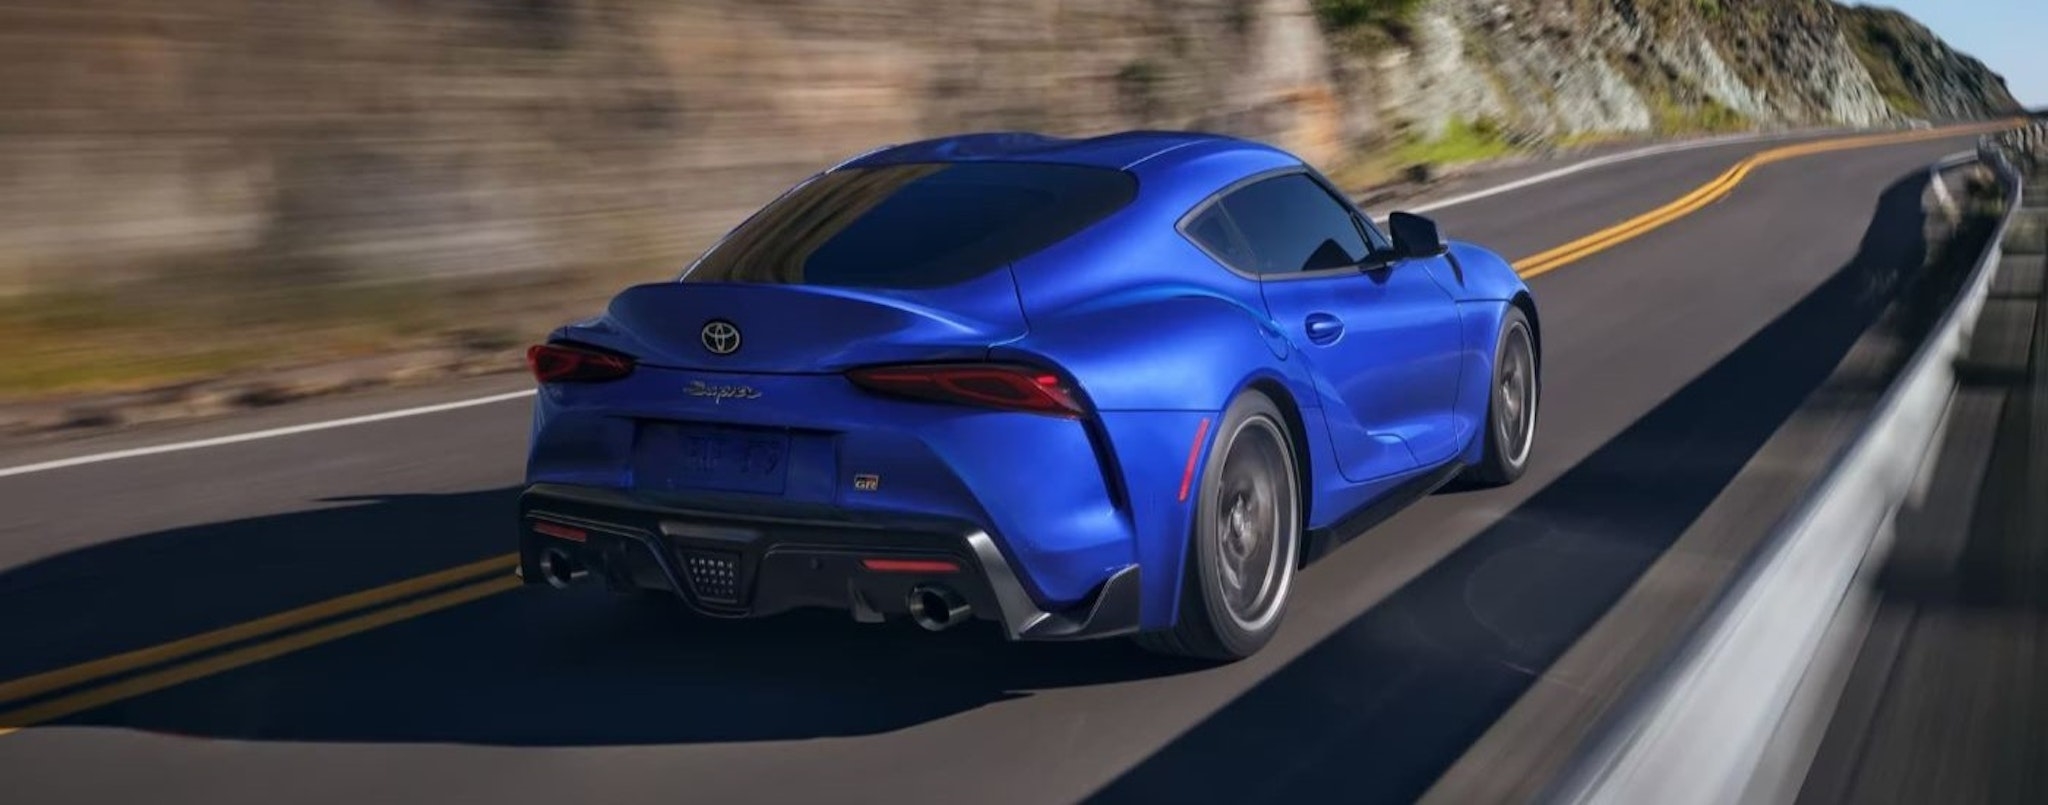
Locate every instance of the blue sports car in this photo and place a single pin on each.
(1125, 385)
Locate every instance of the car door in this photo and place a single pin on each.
(1383, 343)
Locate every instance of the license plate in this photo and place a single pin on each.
(683, 457)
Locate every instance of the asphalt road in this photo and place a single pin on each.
(1671, 360)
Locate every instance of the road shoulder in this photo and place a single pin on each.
(1522, 754)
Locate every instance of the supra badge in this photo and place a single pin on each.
(720, 337)
(720, 394)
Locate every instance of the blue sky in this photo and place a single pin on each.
(2009, 35)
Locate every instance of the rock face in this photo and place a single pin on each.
(248, 141)
(1567, 67)
(1918, 74)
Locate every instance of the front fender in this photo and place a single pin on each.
(1482, 275)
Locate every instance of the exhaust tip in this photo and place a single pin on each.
(937, 607)
(559, 570)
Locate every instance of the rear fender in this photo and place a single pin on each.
(1159, 370)
(1157, 448)
(1163, 348)
(1164, 454)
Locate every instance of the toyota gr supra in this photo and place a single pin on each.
(1126, 385)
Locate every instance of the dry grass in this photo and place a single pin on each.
(82, 343)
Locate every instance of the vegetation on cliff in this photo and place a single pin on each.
(329, 178)
(1918, 73)
(1392, 16)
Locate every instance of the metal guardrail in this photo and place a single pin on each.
(1735, 714)
(2033, 152)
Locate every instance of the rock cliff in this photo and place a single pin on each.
(1552, 67)
(231, 144)
(1918, 74)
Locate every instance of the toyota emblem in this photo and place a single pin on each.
(720, 337)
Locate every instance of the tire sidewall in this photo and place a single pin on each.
(1500, 468)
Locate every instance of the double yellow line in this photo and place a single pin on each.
(468, 582)
(68, 691)
(1548, 261)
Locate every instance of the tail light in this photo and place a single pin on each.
(563, 363)
(990, 385)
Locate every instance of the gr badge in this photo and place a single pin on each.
(866, 482)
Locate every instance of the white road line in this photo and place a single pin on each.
(273, 433)
(261, 434)
(1601, 162)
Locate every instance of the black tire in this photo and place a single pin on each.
(1247, 519)
(1512, 405)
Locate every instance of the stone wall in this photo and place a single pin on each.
(318, 141)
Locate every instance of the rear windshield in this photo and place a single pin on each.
(914, 226)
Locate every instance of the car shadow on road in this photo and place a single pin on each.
(532, 666)
(146, 589)
(1381, 708)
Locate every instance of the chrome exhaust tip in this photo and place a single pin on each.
(559, 570)
(937, 607)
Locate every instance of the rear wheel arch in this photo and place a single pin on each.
(1205, 625)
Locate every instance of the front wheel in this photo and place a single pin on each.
(1246, 540)
(1511, 408)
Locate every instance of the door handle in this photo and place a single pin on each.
(1324, 328)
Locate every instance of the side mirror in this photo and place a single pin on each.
(1416, 236)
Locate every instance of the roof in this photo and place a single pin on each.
(1122, 150)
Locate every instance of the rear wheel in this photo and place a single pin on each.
(1511, 410)
(1246, 540)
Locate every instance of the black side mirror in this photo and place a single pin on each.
(1416, 236)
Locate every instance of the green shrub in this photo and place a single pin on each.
(1462, 141)
(1345, 15)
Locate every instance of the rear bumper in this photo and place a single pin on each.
(741, 565)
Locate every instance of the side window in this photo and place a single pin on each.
(1214, 231)
(1292, 224)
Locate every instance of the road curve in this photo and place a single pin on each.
(1671, 359)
